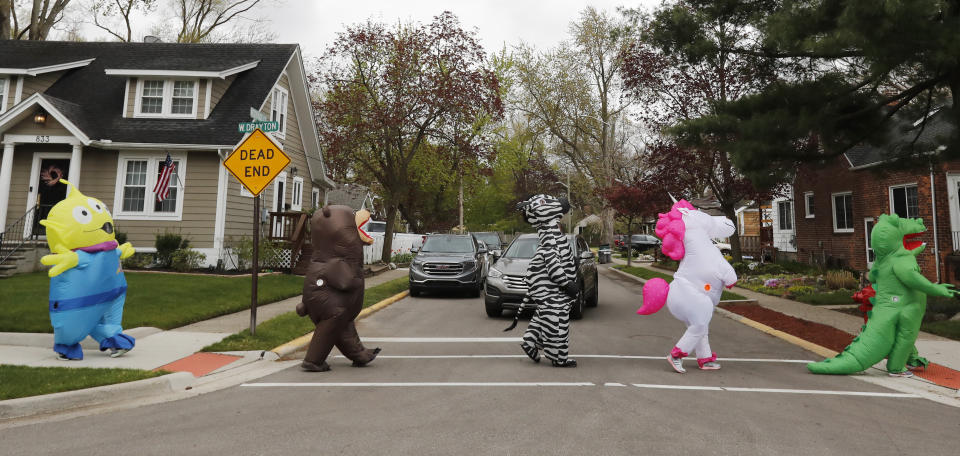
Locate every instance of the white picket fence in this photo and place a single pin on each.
(402, 243)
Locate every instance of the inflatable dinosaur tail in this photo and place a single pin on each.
(654, 296)
(870, 347)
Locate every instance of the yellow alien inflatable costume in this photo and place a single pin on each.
(87, 286)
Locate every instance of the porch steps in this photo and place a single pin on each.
(301, 267)
(25, 258)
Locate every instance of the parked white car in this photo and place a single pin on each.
(723, 246)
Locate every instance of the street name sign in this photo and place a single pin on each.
(256, 161)
(268, 126)
(257, 115)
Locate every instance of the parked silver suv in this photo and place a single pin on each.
(506, 284)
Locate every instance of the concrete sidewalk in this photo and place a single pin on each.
(940, 350)
(175, 350)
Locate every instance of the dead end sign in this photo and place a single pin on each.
(256, 161)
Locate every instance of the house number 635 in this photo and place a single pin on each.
(43, 139)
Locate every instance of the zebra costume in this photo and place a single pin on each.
(551, 281)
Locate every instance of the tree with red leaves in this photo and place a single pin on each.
(385, 93)
(635, 201)
(671, 89)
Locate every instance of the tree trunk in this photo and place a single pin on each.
(731, 213)
(387, 253)
(629, 243)
(5, 11)
(607, 215)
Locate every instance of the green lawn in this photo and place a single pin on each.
(645, 273)
(949, 329)
(836, 297)
(286, 327)
(24, 381)
(159, 300)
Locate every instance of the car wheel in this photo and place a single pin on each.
(477, 291)
(595, 295)
(576, 312)
(494, 310)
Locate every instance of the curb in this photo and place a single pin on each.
(297, 344)
(70, 400)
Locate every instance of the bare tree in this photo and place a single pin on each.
(44, 14)
(198, 19)
(105, 15)
(574, 93)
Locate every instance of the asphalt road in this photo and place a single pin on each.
(428, 396)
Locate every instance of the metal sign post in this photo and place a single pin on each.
(255, 162)
(256, 265)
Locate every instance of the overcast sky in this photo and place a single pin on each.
(314, 24)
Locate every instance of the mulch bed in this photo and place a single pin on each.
(820, 334)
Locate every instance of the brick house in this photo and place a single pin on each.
(837, 203)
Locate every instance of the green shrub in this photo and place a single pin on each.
(769, 268)
(401, 258)
(243, 249)
(796, 267)
(800, 290)
(741, 268)
(167, 243)
(139, 260)
(184, 260)
(942, 305)
(121, 237)
(841, 280)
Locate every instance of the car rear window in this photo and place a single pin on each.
(448, 244)
(492, 240)
(522, 248)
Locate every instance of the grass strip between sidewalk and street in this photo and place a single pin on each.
(288, 326)
(25, 381)
(164, 301)
(648, 274)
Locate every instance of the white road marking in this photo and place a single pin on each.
(414, 384)
(754, 360)
(442, 339)
(778, 390)
(613, 384)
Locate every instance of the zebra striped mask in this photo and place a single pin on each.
(543, 210)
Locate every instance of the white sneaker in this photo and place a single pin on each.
(904, 374)
(114, 353)
(676, 363)
(710, 365)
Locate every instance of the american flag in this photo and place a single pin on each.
(162, 189)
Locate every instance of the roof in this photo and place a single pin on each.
(900, 142)
(352, 195)
(98, 112)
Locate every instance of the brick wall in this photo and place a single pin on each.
(816, 239)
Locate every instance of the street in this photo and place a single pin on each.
(447, 382)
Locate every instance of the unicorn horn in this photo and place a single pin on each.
(672, 198)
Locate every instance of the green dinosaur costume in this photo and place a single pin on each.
(899, 305)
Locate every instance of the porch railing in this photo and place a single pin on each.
(12, 237)
(291, 229)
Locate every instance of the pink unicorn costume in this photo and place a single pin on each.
(698, 283)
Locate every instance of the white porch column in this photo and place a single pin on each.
(76, 155)
(6, 168)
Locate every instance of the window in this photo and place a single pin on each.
(137, 174)
(843, 212)
(903, 201)
(785, 215)
(244, 191)
(315, 198)
(296, 200)
(135, 186)
(810, 208)
(868, 224)
(3, 94)
(169, 204)
(278, 110)
(166, 98)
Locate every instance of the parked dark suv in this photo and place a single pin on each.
(449, 261)
(642, 242)
(505, 280)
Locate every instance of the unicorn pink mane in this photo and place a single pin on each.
(670, 229)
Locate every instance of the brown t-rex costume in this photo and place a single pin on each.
(333, 288)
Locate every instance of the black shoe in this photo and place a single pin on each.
(565, 363)
(372, 357)
(310, 367)
(532, 352)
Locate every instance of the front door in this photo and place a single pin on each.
(46, 189)
(953, 194)
(868, 229)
